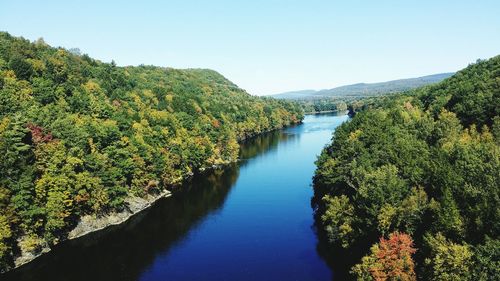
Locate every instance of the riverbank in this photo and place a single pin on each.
(220, 224)
(326, 111)
(89, 224)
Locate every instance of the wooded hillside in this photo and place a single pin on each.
(413, 182)
(77, 136)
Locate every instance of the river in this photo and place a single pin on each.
(249, 221)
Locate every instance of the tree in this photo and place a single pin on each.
(447, 260)
(338, 219)
(486, 261)
(390, 259)
(21, 67)
(5, 248)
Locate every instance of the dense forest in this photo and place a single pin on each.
(78, 136)
(410, 186)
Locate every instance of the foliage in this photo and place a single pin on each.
(425, 161)
(77, 136)
(324, 104)
(486, 260)
(5, 234)
(390, 259)
(338, 218)
(448, 260)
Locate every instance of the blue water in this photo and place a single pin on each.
(264, 229)
(250, 221)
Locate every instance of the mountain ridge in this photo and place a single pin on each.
(366, 89)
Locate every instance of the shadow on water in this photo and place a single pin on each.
(258, 145)
(330, 254)
(123, 252)
(339, 260)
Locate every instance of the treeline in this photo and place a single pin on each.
(412, 183)
(77, 136)
(323, 105)
(351, 105)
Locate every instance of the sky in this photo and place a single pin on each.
(270, 46)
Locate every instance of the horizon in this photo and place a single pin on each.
(271, 47)
(364, 83)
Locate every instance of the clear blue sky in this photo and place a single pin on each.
(270, 46)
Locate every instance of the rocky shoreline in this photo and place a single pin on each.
(90, 224)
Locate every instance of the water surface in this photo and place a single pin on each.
(249, 221)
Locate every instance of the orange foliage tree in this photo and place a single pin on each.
(390, 259)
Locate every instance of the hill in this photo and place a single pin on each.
(79, 137)
(412, 182)
(294, 94)
(366, 89)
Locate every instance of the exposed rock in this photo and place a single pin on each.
(92, 223)
(27, 256)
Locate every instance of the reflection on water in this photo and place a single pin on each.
(122, 252)
(249, 221)
(264, 143)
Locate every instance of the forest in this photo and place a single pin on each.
(325, 105)
(78, 136)
(409, 187)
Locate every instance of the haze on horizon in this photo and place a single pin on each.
(269, 47)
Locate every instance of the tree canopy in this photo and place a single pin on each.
(424, 164)
(77, 136)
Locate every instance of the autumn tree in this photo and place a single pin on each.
(390, 259)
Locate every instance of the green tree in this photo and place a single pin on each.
(338, 219)
(447, 260)
(21, 67)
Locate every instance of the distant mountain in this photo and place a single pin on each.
(295, 94)
(366, 89)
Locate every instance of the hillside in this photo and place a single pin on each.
(412, 182)
(366, 89)
(78, 137)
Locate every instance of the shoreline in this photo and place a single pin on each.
(325, 111)
(90, 224)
